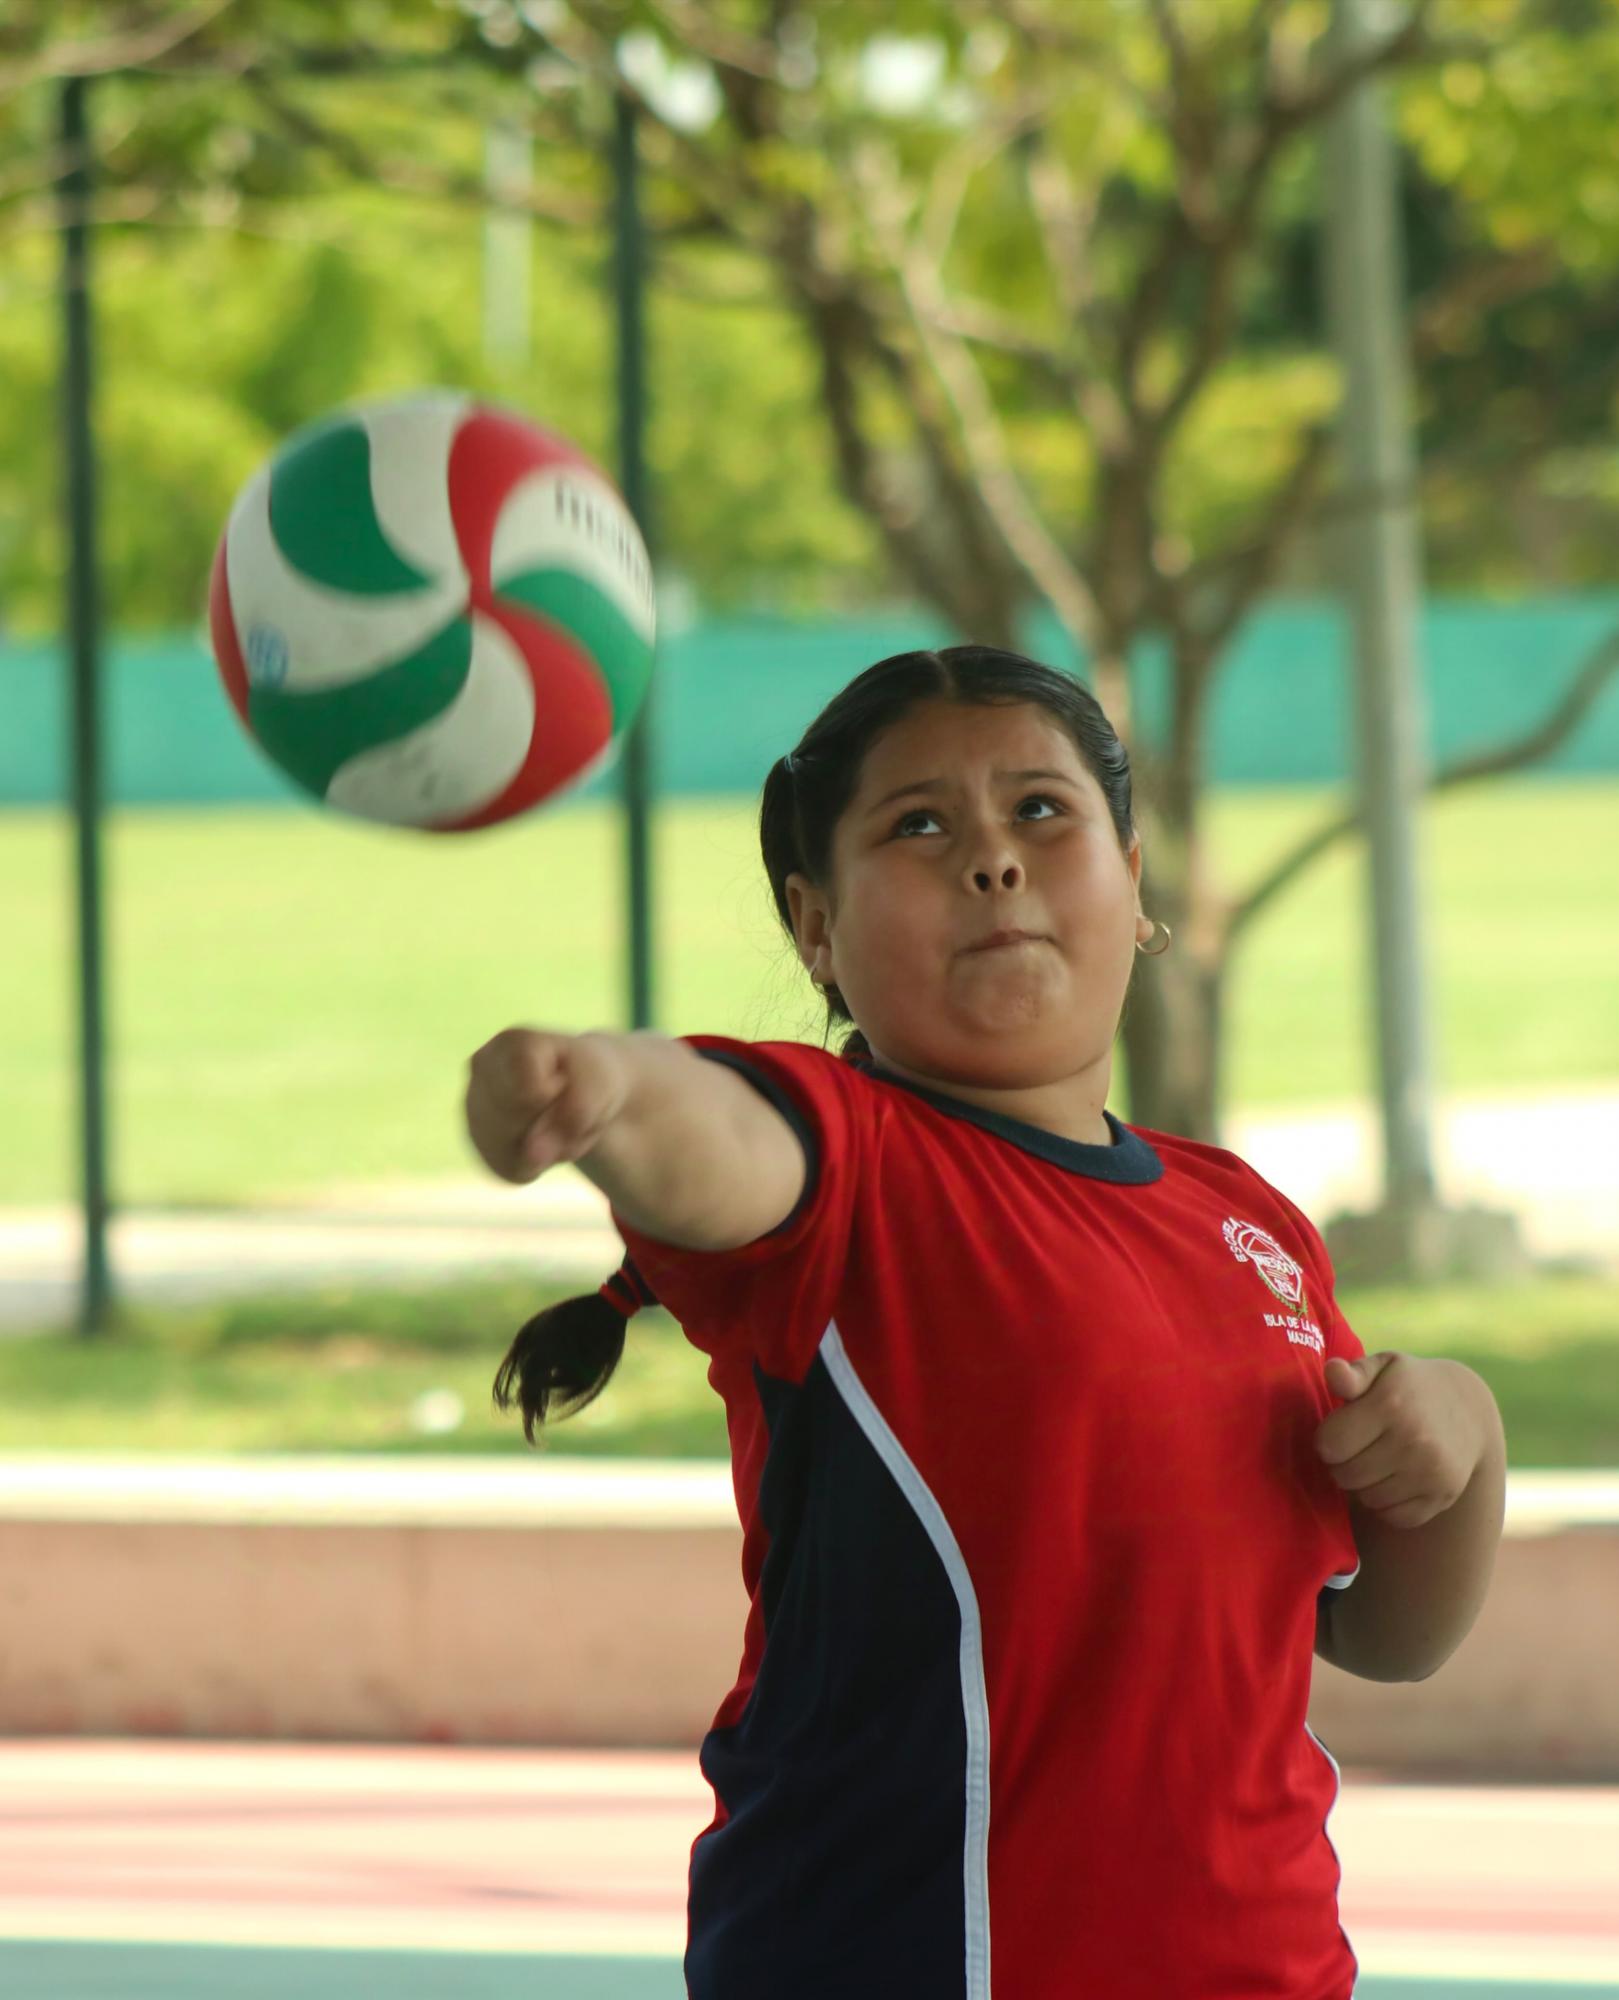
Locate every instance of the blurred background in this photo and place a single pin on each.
(1018, 327)
(1256, 359)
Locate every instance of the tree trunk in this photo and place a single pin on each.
(1172, 1044)
(1172, 1021)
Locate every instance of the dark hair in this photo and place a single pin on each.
(565, 1356)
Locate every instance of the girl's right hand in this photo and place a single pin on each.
(535, 1098)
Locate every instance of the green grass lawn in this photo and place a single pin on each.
(339, 1370)
(292, 996)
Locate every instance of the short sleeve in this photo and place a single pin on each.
(1342, 1342)
(775, 1296)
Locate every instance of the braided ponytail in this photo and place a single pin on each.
(564, 1357)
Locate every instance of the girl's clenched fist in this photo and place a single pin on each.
(535, 1098)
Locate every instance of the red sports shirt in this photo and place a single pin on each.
(1033, 1537)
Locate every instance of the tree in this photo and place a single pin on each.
(246, 282)
(1052, 265)
(1145, 158)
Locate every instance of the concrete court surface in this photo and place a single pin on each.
(1550, 1155)
(197, 1871)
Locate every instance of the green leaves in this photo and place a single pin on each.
(289, 193)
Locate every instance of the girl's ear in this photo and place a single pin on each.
(811, 913)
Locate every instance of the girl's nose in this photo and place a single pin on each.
(1002, 874)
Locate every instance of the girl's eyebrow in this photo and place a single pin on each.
(942, 784)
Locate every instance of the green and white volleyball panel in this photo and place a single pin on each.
(432, 614)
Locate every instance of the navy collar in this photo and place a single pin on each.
(1129, 1160)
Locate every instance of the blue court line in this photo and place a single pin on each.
(104, 1970)
(60, 1970)
(1372, 1987)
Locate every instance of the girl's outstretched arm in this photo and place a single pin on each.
(686, 1150)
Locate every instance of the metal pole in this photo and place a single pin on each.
(1382, 576)
(83, 620)
(508, 253)
(628, 286)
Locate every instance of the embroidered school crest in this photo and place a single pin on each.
(1251, 1245)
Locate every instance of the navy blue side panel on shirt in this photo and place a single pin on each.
(840, 1867)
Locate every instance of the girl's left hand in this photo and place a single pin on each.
(1408, 1436)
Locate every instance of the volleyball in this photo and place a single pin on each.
(432, 613)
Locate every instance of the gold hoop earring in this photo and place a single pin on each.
(1156, 950)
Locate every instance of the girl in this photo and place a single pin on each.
(1035, 1446)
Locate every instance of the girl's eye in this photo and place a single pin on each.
(1034, 799)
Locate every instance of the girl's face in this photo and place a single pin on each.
(971, 821)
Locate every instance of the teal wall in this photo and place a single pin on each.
(733, 694)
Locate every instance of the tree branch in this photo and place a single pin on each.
(407, 177)
(1577, 701)
(860, 470)
(987, 326)
(982, 435)
(1475, 289)
(1174, 40)
(1299, 503)
(1283, 116)
(1145, 308)
(1225, 242)
(1192, 121)
(719, 42)
(965, 570)
(952, 177)
(1258, 29)
(156, 205)
(136, 48)
(1096, 48)
(986, 597)
(1066, 224)
(45, 170)
(728, 191)
(1252, 568)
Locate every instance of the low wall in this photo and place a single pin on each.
(572, 1602)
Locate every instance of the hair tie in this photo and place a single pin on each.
(626, 1291)
(789, 764)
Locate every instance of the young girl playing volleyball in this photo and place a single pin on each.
(1044, 1428)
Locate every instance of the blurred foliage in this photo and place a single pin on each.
(980, 304)
(290, 193)
(215, 337)
(212, 346)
